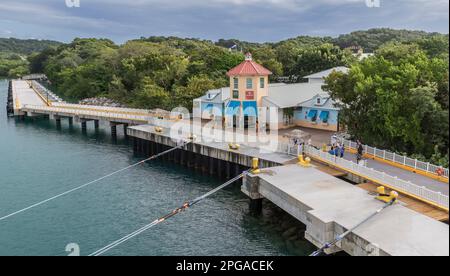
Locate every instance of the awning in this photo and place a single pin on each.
(324, 115)
(208, 107)
(312, 113)
(232, 108)
(250, 109)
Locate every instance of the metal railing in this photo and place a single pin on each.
(34, 77)
(406, 187)
(45, 93)
(132, 111)
(398, 159)
(293, 150)
(108, 116)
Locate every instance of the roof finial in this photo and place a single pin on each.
(248, 56)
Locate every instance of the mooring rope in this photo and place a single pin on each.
(166, 217)
(342, 236)
(92, 182)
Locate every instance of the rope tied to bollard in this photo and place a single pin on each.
(342, 236)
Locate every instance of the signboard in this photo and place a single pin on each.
(249, 95)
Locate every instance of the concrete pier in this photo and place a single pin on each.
(329, 206)
(220, 151)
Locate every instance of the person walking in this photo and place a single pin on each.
(342, 151)
(360, 153)
(337, 151)
(331, 151)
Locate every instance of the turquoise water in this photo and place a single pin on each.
(38, 161)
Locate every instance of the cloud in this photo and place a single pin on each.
(255, 20)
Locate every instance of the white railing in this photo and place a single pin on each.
(382, 178)
(34, 77)
(398, 159)
(103, 108)
(80, 112)
(45, 92)
(293, 150)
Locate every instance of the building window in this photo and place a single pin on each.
(249, 83)
(236, 83)
(319, 101)
(262, 82)
(235, 94)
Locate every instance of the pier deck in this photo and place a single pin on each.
(24, 95)
(218, 150)
(329, 206)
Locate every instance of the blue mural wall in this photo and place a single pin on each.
(216, 107)
(305, 114)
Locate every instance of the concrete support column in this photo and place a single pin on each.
(212, 168)
(255, 206)
(138, 146)
(125, 127)
(176, 156)
(172, 156)
(83, 126)
(113, 130)
(144, 148)
(58, 122)
(152, 148)
(237, 170)
(134, 142)
(198, 162)
(149, 150)
(182, 157)
(250, 187)
(191, 159)
(163, 149)
(158, 148)
(220, 168)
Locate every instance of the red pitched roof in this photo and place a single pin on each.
(249, 68)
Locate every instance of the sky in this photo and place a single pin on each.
(250, 20)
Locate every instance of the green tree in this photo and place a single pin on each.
(389, 101)
(197, 86)
(315, 59)
(149, 95)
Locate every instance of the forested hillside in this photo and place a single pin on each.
(25, 46)
(14, 54)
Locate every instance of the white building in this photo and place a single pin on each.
(299, 104)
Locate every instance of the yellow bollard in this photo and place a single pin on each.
(304, 162)
(381, 190)
(255, 166)
(234, 146)
(382, 196)
(324, 148)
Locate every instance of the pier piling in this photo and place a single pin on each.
(84, 126)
